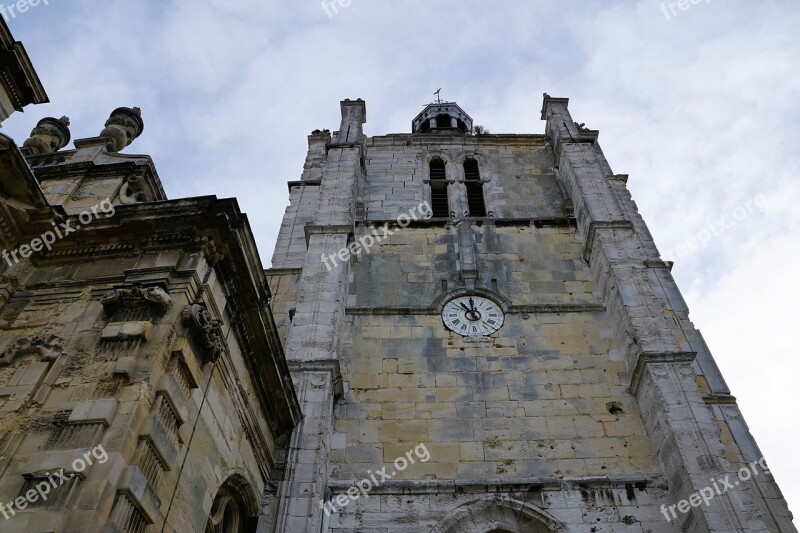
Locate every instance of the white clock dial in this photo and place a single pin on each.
(472, 316)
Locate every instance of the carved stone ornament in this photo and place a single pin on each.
(207, 329)
(155, 298)
(133, 191)
(50, 135)
(123, 127)
(47, 348)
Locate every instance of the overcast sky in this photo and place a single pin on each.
(699, 106)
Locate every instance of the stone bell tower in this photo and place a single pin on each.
(519, 359)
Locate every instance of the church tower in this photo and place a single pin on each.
(483, 337)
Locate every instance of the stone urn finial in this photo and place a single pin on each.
(122, 127)
(50, 135)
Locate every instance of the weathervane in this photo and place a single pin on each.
(438, 98)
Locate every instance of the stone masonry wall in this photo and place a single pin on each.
(75, 366)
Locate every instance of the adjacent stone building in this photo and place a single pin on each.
(143, 385)
(19, 83)
(136, 337)
(527, 336)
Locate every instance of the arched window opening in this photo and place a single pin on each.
(231, 512)
(226, 516)
(444, 121)
(462, 126)
(498, 516)
(425, 126)
(438, 184)
(472, 176)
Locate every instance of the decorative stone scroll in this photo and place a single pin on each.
(155, 299)
(205, 329)
(46, 348)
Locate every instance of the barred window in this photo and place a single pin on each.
(168, 418)
(150, 463)
(71, 436)
(127, 516)
(54, 496)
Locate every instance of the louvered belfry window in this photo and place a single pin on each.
(472, 179)
(438, 183)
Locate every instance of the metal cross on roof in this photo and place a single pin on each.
(438, 98)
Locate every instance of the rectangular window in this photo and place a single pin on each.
(166, 415)
(127, 516)
(56, 496)
(472, 180)
(438, 183)
(149, 463)
(70, 436)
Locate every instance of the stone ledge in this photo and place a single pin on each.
(94, 411)
(121, 331)
(315, 183)
(282, 271)
(331, 366)
(478, 486)
(719, 399)
(557, 308)
(390, 311)
(594, 226)
(513, 309)
(647, 358)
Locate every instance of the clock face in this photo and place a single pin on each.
(472, 316)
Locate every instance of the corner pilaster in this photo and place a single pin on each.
(312, 343)
(652, 328)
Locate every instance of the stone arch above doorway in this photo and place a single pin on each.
(497, 515)
(234, 507)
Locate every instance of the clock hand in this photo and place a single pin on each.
(472, 304)
(471, 314)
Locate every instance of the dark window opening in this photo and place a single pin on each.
(443, 121)
(438, 183)
(425, 126)
(437, 170)
(56, 497)
(477, 207)
(462, 126)
(471, 171)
